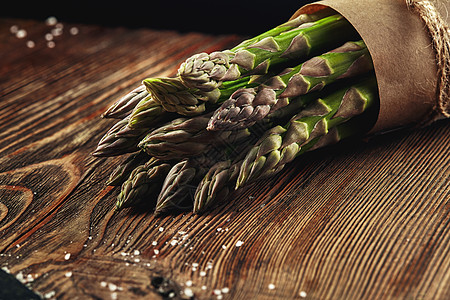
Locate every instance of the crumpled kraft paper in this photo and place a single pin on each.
(403, 57)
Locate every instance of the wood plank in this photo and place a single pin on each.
(359, 220)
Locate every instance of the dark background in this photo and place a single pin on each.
(217, 17)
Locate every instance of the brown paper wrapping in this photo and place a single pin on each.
(404, 60)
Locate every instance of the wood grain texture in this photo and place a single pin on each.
(359, 220)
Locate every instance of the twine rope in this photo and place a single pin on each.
(440, 36)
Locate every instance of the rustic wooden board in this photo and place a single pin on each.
(359, 220)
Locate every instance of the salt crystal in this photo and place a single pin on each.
(124, 254)
(114, 296)
(195, 265)
(103, 284)
(302, 294)
(30, 44)
(271, 286)
(239, 243)
(204, 287)
(219, 297)
(154, 243)
(217, 292)
(189, 283)
(225, 290)
(51, 21)
(67, 256)
(224, 247)
(48, 37)
(51, 44)
(136, 260)
(161, 229)
(188, 292)
(173, 242)
(19, 276)
(13, 29)
(156, 251)
(202, 273)
(56, 31)
(68, 274)
(21, 33)
(112, 287)
(74, 31)
(136, 252)
(50, 295)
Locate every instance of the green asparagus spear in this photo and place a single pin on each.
(143, 183)
(207, 71)
(179, 185)
(147, 113)
(289, 25)
(124, 106)
(182, 138)
(282, 144)
(247, 106)
(126, 134)
(216, 184)
(120, 139)
(174, 96)
(124, 169)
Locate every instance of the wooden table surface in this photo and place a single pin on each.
(365, 219)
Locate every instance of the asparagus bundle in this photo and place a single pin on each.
(235, 116)
(349, 60)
